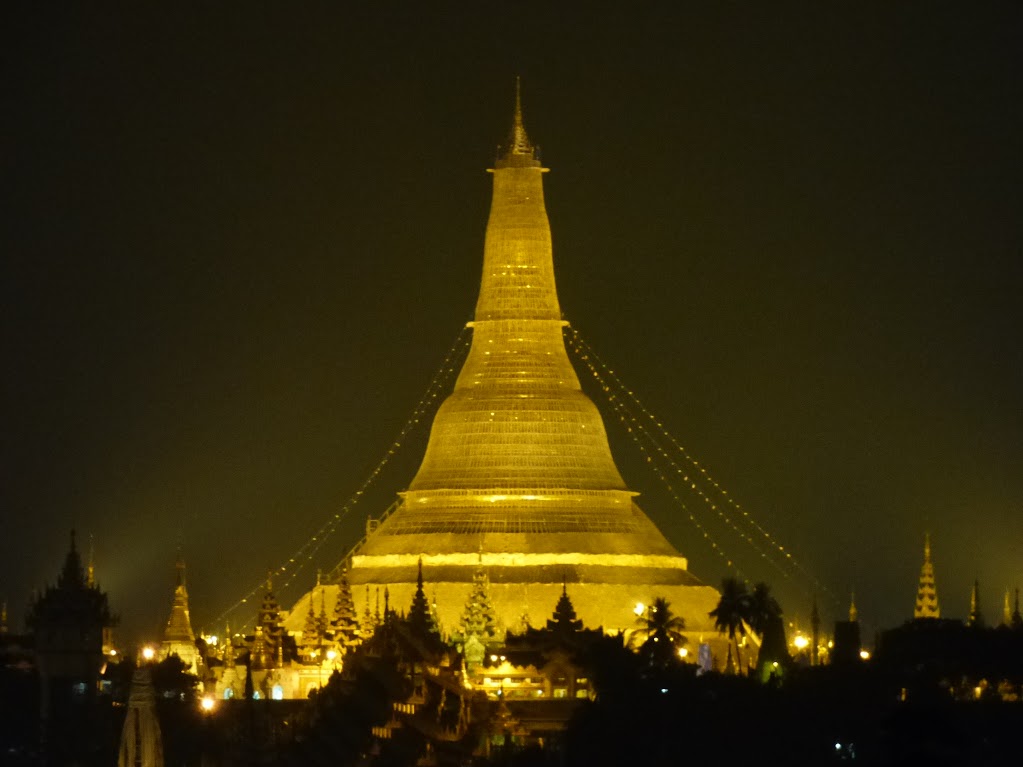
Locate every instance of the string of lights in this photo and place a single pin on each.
(636, 425)
(296, 563)
(637, 429)
(626, 418)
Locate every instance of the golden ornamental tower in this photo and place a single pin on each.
(926, 592)
(178, 637)
(518, 476)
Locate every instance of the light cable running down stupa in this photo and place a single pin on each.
(654, 452)
(637, 426)
(427, 403)
(627, 419)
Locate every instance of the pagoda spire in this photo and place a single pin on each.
(927, 592)
(1006, 611)
(853, 612)
(419, 612)
(975, 619)
(228, 645)
(72, 576)
(519, 152)
(345, 624)
(178, 637)
(90, 570)
(179, 566)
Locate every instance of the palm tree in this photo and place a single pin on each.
(661, 632)
(766, 620)
(733, 612)
(764, 608)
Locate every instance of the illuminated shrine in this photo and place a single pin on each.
(518, 477)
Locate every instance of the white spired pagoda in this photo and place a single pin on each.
(518, 480)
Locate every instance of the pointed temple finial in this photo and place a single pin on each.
(1006, 611)
(927, 593)
(975, 619)
(90, 569)
(179, 565)
(854, 614)
(519, 151)
(178, 637)
(73, 575)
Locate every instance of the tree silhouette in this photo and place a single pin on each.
(733, 612)
(172, 679)
(763, 608)
(661, 633)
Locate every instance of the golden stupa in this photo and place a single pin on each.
(518, 477)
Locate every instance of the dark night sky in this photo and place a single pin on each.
(237, 245)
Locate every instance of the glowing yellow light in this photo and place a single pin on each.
(331, 654)
(113, 652)
(864, 655)
(207, 703)
(212, 640)
(683, 652)
(639, 608)
(800, 642)
(148, 653)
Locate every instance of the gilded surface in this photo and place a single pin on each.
(518, 475)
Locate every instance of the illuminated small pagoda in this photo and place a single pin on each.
(927, 592)
(178, 637)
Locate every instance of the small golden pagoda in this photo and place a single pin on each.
(927, 593)
(178, 637)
